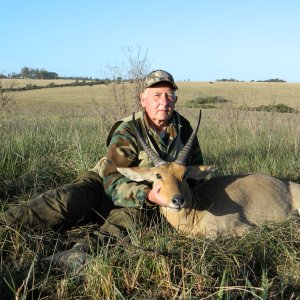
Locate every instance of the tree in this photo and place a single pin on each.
(126, 82)
(6, 97)
(37, 73)
(25, 72)
(138, 69)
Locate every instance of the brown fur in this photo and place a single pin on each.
(222, 205)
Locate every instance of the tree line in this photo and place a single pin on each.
(31, 73)
(35, 73)
(267, 80)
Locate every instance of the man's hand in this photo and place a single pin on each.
(155, 197)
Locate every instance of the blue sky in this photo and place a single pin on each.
(193, 39)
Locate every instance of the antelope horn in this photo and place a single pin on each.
(157, 161)
(184, 153)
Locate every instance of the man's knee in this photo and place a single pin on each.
(126, 215)
(64, 206)
(89, 177)
(124, 220)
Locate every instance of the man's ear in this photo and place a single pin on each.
(137, 173)
(142, 96)
(176, 98)
(199, 172)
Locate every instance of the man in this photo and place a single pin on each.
(164, 129)
(103, 193)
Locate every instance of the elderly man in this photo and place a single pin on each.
(105, 195)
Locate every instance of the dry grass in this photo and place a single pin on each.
(38, 82)
(53, 134)
(244, 93)
(249, 94)
(74, 95)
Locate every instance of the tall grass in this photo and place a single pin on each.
(253, 142)
(40, 151)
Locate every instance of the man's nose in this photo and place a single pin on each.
(163, 99)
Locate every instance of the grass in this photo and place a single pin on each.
(38, 82)
(264, 264)
(250, 94)
(51, 136)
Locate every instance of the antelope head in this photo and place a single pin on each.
(171, 176)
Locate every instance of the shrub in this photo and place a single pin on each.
(281, 108)
(51, 85)
(206, 102)
(6, 98)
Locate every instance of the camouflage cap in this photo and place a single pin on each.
(159, 76)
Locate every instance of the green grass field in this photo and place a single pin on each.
(50, 135)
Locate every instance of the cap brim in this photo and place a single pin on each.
(168, 81)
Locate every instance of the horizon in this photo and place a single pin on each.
(10, 76)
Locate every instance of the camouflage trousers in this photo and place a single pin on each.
(79, 202)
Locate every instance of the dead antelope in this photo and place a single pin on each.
(222, 205)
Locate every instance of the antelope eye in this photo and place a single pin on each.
(158, 176)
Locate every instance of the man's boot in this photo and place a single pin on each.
(68, 262)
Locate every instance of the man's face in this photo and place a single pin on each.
(159, 102)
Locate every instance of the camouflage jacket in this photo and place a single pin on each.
(125, 151)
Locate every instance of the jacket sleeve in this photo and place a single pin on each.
(123, 152)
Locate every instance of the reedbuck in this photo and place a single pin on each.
(222, 205)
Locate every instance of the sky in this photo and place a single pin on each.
(194, 40)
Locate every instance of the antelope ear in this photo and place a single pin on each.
(199, 172)
(137, 173)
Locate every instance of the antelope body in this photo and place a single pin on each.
(223, 205)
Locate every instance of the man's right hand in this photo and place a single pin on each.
(154, 196)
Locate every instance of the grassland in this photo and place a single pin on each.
(51, 135)
(244, 93)
(239, 93)
(39, 82)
